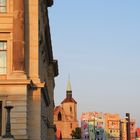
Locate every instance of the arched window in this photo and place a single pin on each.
(59, 116)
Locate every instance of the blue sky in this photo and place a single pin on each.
(97, 42)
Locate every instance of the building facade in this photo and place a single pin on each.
(65, 115)
(132, 129)
(93, 126)
(123, 129)
(100, 126)
(112, 126)
(27, 69)
(106, 126)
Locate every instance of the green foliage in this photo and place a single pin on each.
(76, 133)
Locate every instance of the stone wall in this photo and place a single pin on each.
(10, 95)
(21, 86)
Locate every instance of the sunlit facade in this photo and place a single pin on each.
(27, 69)
(65, 115)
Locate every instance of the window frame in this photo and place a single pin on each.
(70, 109)
(4, 50)
(6, 36)
(3, 6)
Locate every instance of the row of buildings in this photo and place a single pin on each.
(106, 126)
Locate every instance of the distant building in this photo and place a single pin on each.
(65, 115)
(85, 130)
(132, 129)
(112, 126)
(107, 126)
(100, 126)
(123, 129)
(138, 134)
(93, 126)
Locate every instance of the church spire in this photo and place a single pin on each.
(69, 86)
(69, 97)
(69, 90)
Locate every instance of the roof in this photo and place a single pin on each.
(67, 100)
(57, 109)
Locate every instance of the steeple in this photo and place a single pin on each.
(68, 98)
(69, 85)
(69, 90)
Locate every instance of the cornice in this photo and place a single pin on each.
(49, 3)
(35, 84)
(14, 82)
(6, 30)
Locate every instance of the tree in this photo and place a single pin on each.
(76, 133)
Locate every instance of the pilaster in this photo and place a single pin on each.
(18, 35)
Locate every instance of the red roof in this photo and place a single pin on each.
(57, 109)
(67, 100)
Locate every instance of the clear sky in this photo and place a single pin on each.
(97, 42)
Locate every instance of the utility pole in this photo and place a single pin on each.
(128, 126)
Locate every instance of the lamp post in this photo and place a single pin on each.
(8, 124)
(128, 126)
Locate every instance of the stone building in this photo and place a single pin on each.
(65, 115)
(27, 69)
(132, 129)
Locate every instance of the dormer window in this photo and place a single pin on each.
(3, 7)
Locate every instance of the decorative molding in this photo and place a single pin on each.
(6, 30)
(49, 3)
(34, 86)
(14, 82)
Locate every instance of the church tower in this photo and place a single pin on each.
(65, 115)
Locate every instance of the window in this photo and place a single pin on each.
(3, 6)
(3, 50)
(0, 117)
(70, 125)
(59, 116)
(70, 109)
